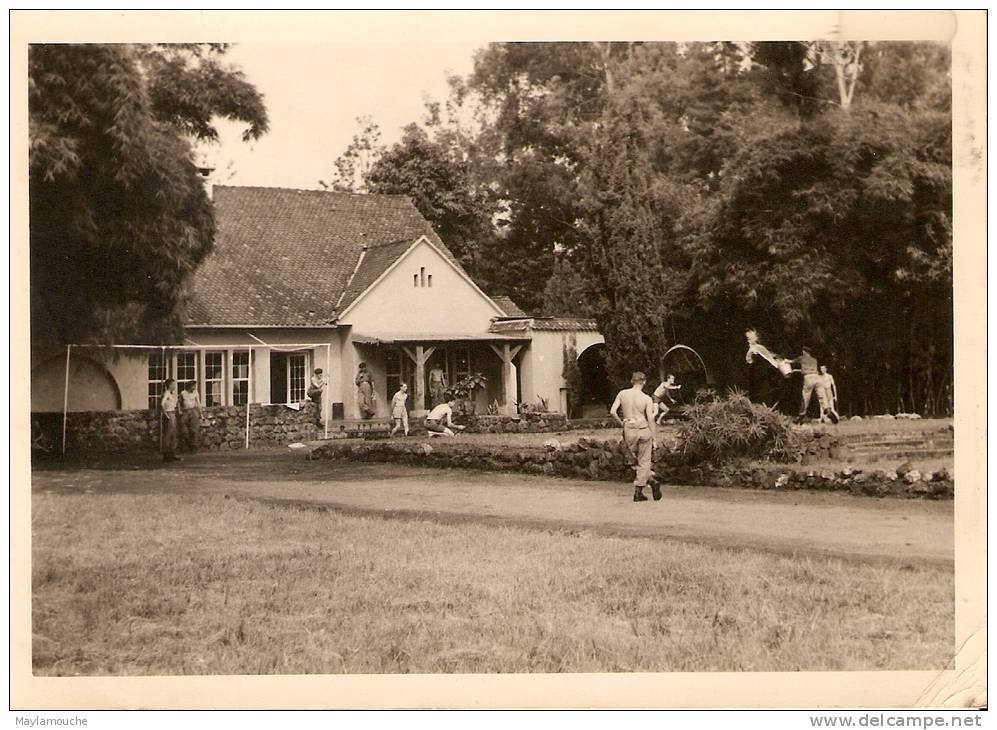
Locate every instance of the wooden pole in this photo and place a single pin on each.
(325, 392)
(166, 369)
(65, 402)
(420, 378)
(249, 390)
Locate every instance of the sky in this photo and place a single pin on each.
(313, 95)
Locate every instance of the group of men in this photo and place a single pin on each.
(639, 413)
(819, 380)
(181, 413)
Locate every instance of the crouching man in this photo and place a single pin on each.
(440, 419)
(638, 431)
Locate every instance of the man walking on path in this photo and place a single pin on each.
(638, 431)
(811, 380)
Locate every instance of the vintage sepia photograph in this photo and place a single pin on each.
(493, 355)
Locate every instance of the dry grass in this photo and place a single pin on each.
(129, 584)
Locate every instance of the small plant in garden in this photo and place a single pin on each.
(725, 429)
(464, 389)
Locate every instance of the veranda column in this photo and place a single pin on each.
(420, 378)
(506, 354)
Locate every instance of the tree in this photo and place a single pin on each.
(568, 293)
(627, 230)
(439, 185)
(353, 166)
(838, 233)
(119, 218)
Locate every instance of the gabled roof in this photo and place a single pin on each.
(298, 258)
(509, 307)
(548, 324)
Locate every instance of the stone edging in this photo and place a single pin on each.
(608, 460)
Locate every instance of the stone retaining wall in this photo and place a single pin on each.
(609, 460)
(222, 427)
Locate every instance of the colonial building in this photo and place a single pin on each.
(303, 279)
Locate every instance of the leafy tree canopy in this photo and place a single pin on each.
(119, 218)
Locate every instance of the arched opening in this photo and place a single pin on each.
(688, 374)
(597, 392)
(91, 386)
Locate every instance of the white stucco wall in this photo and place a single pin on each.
(450, 305)
(92, 386)
(542, 365)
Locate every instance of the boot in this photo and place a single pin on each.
(639, 494)
(655, 490)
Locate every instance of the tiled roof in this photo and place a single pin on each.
(286, 257)
(550, 324)
(508, 306)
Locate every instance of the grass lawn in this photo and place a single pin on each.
(135, 584)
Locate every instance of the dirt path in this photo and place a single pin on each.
(790, 522)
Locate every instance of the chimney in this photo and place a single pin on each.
(206, 175)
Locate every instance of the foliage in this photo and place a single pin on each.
(357, 159)
(438, 185)
(567, 293)
(628, 227)
(542, 405)
(466, 386)
(725, 429)
(119, 218)
(573, 380)
(686, 192)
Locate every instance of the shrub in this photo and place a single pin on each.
(718, 430)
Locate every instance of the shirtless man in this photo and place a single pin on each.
(437, 385)
(638, 432)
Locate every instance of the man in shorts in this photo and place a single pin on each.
(399, 409)
(638, 432)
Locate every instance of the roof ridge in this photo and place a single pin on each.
(314, 190)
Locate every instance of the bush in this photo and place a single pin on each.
(718, 430)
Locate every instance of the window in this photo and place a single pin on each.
(186, 368)
(460, 363)
(422, 278)
(158, 373)
(214, 378)
(429, 280)
(240, 377)
(295, 378)
(415, 280)
(398, 370)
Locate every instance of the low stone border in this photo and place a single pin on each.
(609, 460)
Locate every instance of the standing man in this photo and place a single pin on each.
(190, 406)
(168, 404)
(638, 432)
(316, 389)
(811, 380)
(437, 385)
(399, 409)
(365, 390)
(827, 396)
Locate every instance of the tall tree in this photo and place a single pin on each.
(628, 228)
(119, 218)
(440, 187)
(357, 160)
